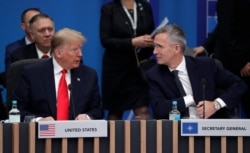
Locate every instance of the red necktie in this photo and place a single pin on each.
(45, 56)
(63, 98)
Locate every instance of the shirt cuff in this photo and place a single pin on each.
(36, 119)
(189, 100)
(221, 102)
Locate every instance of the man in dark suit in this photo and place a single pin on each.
(25, 18)
(199, 76)
(42, 31)
(37, 92)
(229, 41)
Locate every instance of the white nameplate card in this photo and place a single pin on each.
(72, 129)
(215, 127)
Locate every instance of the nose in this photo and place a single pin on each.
(80, 53)
(46, 32)
(155, 51)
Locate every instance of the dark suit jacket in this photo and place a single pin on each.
(163, 90)
(35, 92)
(26, 52)
(231, 35)
(10, 48)
(119, 62)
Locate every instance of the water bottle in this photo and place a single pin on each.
(14, 113)
(174, 114)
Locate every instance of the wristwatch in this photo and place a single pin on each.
(217, 105)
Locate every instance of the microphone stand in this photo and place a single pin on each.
(70, 87)
(203, 82)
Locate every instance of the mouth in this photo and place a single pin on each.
(77, 61)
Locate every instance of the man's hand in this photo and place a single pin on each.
(83, 117)
(245, 71)
(49, 118)
(209, 109)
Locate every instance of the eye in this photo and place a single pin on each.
(76, 49)
(158, 47)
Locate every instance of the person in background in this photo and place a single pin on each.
(25, 18)
(26, 40)
(200, 78)
(124, 26)
(230, 41)
(40, 88)
(208, 46)
(42, 30)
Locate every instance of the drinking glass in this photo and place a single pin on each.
(29, 118)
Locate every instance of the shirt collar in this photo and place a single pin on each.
(181, 67)
(40, 53)
(27, 41)
(57, 67)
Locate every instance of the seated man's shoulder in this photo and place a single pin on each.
(86, 69)
(15, 45)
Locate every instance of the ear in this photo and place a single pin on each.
(32, 36)
(177, 48)
(23, 26)
(58, 53)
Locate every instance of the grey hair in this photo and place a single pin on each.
(175, 35)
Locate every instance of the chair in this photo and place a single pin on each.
(13, 75)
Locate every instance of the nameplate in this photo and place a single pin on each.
(215, 127)
(72, 129)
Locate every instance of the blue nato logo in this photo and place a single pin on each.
(190, 128)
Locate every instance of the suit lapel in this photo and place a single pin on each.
(31, 51)
(168, 80)
(49, 82)
(76, 89)
(194, 77)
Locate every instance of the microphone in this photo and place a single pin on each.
(70, 87)
(203, 84)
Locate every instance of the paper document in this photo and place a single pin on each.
(164, 22)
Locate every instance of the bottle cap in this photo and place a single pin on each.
(14, 102)
(174, 102)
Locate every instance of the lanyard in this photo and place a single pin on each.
(133, 22)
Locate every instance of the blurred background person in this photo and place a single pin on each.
(124, 26)
(39, 89)
(230, 41)
(26, 15)
(41, 30)
(26, 40)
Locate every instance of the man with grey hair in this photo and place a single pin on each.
(47, 99)
(199, 80)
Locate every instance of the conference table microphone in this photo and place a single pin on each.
(70, 87)
(203, 84)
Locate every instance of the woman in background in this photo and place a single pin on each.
(125, 25)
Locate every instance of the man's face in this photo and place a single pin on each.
(27, 17)
(70, 55)
(164, 51)
(42, 32)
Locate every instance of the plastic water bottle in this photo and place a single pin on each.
(14, 113)
(174, 114)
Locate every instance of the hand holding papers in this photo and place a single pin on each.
(163, 23)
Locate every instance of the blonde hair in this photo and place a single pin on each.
(66, 35)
